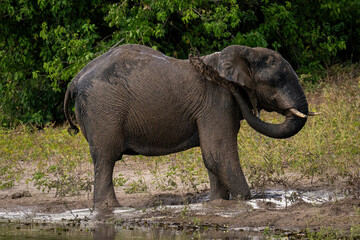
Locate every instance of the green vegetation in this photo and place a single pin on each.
(324, 232)
(44, 43)
(168, 172)
(48, 158)
(138, 186)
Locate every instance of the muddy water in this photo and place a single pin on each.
(87, 224)
(111, 232)
(129, 223)
(285, 198)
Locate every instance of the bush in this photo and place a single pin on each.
(44, 43)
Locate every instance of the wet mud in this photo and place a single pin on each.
(173, 216)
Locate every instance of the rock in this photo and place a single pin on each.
(21, 194)
(17, 195)
(27, 194)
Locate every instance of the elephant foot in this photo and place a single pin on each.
(108, 203)
(237, 190)
(214, 195)
(242, 193)
(219, 194)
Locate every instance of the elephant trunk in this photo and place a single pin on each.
(294, 122)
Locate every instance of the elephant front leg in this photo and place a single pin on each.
(218, 144)
(217, 189)
(225, 174)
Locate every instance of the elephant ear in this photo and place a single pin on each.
(235, 67)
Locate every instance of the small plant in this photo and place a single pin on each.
(267, 232)
(165, 181)
(185, 211)
(324, 233)
(138, 186)
(355, 229)
(197, 221)
(8, 177)
(355, 232)
(191, 170)
(120, 180)
(63, 184)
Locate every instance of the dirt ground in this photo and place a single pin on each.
(179, 207)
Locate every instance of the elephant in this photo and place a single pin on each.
(134, 100)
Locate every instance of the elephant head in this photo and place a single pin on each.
(259, 78)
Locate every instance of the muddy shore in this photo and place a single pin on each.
(280, 211)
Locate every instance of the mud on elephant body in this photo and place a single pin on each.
(135, 100)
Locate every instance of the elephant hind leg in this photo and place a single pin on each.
(104, 192)
(106, 147)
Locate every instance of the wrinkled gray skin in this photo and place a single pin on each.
(135, 100)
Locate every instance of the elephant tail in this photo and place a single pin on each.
(73, 129)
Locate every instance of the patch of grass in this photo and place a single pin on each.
(137, 186)
(324, 233)
(185, 168)
(49, 158)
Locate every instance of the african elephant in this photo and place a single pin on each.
(135, 100)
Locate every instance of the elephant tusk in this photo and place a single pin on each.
(256, 113)
(311, 114)
(297, 113)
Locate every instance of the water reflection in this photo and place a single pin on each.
(11, 231)
(103, 214)
(103, 230)
(106, 229)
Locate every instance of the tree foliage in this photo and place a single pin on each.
(44, 43)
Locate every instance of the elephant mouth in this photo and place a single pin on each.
(285, 112)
